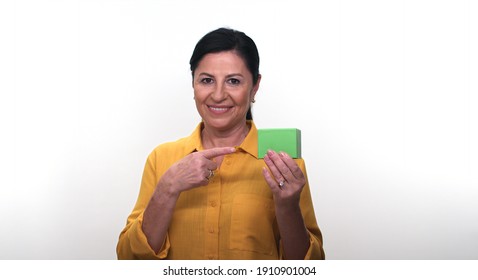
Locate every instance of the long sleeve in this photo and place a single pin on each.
(316, 251)
(133, 243)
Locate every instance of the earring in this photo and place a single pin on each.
(253, 101)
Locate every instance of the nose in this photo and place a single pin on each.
(219, 94)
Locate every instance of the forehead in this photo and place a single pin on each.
(222, 60)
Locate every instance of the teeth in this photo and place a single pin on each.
(218, 109)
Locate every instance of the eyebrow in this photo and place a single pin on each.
(227, 76)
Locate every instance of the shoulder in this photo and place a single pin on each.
(300, 161)
(169, 152)
(171, 149)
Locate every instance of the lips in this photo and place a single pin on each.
(219, 109)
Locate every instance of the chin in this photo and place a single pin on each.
(219, 124)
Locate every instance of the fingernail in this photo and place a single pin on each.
(270, 152)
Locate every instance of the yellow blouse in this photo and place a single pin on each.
(232, 217)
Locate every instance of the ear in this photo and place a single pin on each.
(255, 88)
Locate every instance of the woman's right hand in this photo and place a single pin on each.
(190, 172)
(193, 170)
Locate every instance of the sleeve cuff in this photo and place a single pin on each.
(140, 246)
(315, 251)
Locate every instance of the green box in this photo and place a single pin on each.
(279, 139)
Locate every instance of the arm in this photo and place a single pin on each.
(300, 235)
(158, 213)
(294, 236)
(145, 235)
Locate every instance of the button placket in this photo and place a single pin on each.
(212, 217)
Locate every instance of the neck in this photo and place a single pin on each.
(212, 138)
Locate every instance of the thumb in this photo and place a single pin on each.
(215, 152)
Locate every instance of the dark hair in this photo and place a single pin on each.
(226, 39)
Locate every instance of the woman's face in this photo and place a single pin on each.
(223, 90)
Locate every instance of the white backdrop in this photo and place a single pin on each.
(385, 93)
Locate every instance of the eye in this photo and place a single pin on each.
(234, 81)
(206, 80)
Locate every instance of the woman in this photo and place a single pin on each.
(208, 196)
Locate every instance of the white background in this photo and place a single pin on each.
(385, 93)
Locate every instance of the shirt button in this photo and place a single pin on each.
(211, 230)
(228, 162)
(213, 204)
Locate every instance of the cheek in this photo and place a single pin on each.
(198, 100)
(198, 94)
(245, 97)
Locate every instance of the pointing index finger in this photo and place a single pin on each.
(215, 152)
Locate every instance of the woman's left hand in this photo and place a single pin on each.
(285, 178)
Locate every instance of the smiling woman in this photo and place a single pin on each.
(209, 195)
(223, 90)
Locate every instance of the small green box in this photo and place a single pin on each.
(279, 139)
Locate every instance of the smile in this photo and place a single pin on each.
(219, 109)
